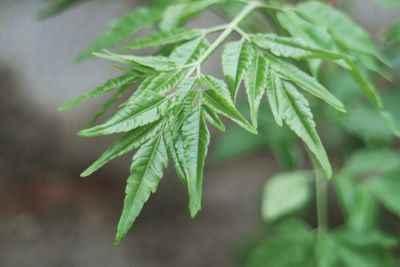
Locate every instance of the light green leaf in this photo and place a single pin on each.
(292, 47)
(236, 58)
(210, 82)
(122, 28)
(299, 27)
(146, 173)
(387, 190)
(157, 63)
(365, 85)
(174, 155)
(124, 144)
(255, 83)
(160, 83)
(146, 108)
(369, 161)
(218, 101)
(287, 248)
(189, 52)
(285, 193)
(184, 89)
(273, 81)
(178, 14)
(393, 35)
(325, 250)
(194, 138)
(126, 79)
(109, 103)
(162, 38)
(344, 31)
(304, 81)
(314, 34)
(213, 118)
(297, 115)
(57, 7)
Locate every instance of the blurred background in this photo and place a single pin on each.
(49, 216)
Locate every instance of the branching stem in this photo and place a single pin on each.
(229, 28)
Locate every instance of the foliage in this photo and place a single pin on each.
(169, 113)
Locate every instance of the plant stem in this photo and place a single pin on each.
(321, 195)
(250, 7)
(321, 191)
(229, 29)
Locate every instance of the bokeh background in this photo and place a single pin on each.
(49, 216)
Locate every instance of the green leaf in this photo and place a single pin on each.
(124, 144)
(285, 193)
(273, 82)
(178, 14)
(109, 103)
(366, 86)
(284, 249)
(143, 110)
(194, 138)
(362, 210)
(255, 83)
(217, 100)
(213, 118)
(393, 35)
(299, 27)
(387, 190)
(369, 161)
(122, 28)
(292, 47)
(126, 79)
(357, 203)
(325, 250)
(57, 7)
(189, 52)
(169, 137)
(236, 58)
(160, 83)
(361, 256)
(162, 38)
(304, 81)
(344, 31)
(210, 82)
(297, 115)
(157, 63)
(146, 173)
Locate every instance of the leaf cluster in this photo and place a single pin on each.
(169, 103)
